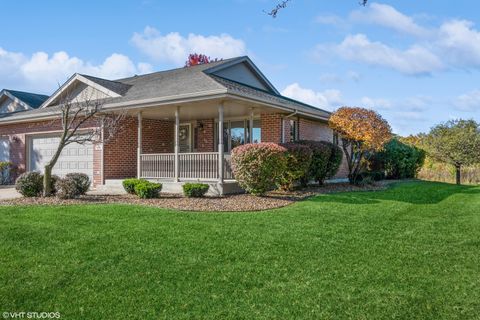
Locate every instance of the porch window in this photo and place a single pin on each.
(236, 133)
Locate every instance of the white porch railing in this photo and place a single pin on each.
(192, 166)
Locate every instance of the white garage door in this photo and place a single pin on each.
(74, 157)
(4, 149)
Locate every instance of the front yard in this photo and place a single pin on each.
(408, 252)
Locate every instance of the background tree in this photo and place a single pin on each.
(456, 142)
(196, 59)
(362, 132)
(83, 121)
(283, 4)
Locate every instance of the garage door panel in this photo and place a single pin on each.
(73, 158)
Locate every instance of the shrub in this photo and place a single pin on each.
(30, 184)
(195, 190)
(148, 190)
(258, 167)
(299, 158)
(398, 160)
(376, 175)
(82, 182)
(129, 184)
(326, 159)
(72, 186)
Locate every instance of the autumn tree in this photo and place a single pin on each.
(456, 142)
(196, 59)
(83, 121)
(362, 132)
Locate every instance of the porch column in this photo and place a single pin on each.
(220, 143)
(177, 139)
(250, 133)
(139, 146)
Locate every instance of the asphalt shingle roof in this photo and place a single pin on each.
(177, 82)
(34, 100)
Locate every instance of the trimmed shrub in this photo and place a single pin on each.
(326, 159)
(66, 188)
(299, 158)
(195, 190)
(82, 182)
(129, 184)
(30, 184)
(258, 167)
(148, 190)
(398, 160)
(72, 186)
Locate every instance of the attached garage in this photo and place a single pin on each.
(74, 157)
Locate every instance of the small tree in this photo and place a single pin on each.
(362, 132)
(82, 121)
(196, 59)
(456, 142)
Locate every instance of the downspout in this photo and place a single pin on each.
(283, 123)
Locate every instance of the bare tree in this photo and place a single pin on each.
(83, 121)
(283, 4)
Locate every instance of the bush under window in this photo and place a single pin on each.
(326, 159)
(259, 167)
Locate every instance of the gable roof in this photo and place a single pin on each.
(29, 99)
(195, 82)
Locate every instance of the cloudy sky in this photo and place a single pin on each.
(415, 62)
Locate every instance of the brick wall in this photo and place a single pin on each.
(271, 124)
(206, 135)
(17, 135)
(157, 136)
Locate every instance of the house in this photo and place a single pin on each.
(16, 101)
(181, 125)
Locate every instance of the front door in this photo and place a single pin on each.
(185, 138)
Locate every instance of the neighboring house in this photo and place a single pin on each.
(173, 131)
(15, 101)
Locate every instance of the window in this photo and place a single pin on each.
(237, 132)
(335, 138)
(293, 130)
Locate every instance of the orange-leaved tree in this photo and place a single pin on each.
(362, 132)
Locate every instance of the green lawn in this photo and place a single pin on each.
(410, 252)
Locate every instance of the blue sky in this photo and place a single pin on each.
(415, 62)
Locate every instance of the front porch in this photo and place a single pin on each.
(200, 151)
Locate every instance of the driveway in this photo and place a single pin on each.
(8, 192)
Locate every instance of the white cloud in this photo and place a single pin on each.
(452, 44)
(42, 72)
(328, 99)
(415, 60)
(469, 101)
(174, 48)
(376, 104)
(388, 16)
(460, 43)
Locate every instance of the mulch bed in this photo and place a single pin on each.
(238, 202)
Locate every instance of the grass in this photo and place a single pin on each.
(410, 252)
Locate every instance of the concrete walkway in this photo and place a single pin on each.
(8, 192)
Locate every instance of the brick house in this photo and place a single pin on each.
(179, 124)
